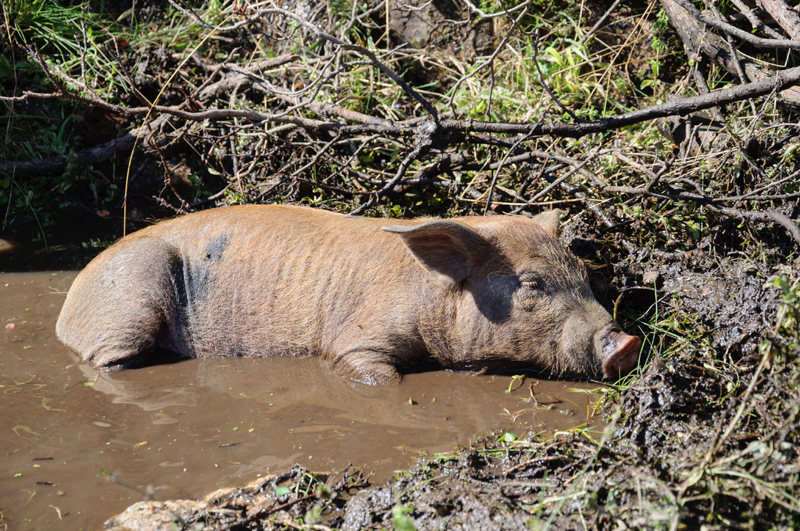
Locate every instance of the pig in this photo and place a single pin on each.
(371, 296)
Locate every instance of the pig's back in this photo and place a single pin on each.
(281, 280)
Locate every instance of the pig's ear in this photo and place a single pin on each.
(443, 247)
(550, 220)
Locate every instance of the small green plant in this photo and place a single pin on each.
(400, 519)
(48, 24)
(785, 336)
(514, 379)
(313, 516)
(306, 485)
(507, 438)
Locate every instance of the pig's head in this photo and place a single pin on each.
(515, 298)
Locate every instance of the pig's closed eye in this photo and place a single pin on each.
(532, 285)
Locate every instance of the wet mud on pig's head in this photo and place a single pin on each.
(520, 299)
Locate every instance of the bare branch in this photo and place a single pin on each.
(747, 37)
(754, 20)
(602, 20)
(788, 19)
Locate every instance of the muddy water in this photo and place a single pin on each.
(78, 446)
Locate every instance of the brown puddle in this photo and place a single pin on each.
(182, 430)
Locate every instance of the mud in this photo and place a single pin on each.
(81, 445)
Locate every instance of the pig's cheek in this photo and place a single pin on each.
(529, 300)
(494, 298)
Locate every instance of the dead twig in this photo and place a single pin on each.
(758, 42)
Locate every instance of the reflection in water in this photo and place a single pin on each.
(183, 429)
(138, 392)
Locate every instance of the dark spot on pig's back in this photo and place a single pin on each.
(216, 246)
(195, 277)
(193, 285)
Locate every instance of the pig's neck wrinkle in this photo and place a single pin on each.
(438, 311)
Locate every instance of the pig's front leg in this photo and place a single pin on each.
(368, 367)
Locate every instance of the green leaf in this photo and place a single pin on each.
(507, 437)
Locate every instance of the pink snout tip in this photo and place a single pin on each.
(622, 354)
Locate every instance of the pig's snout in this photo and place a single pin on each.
(620, 352)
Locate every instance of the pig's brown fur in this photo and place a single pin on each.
(281, 280)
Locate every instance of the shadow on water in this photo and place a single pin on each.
(181, 429)
(69, 241)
